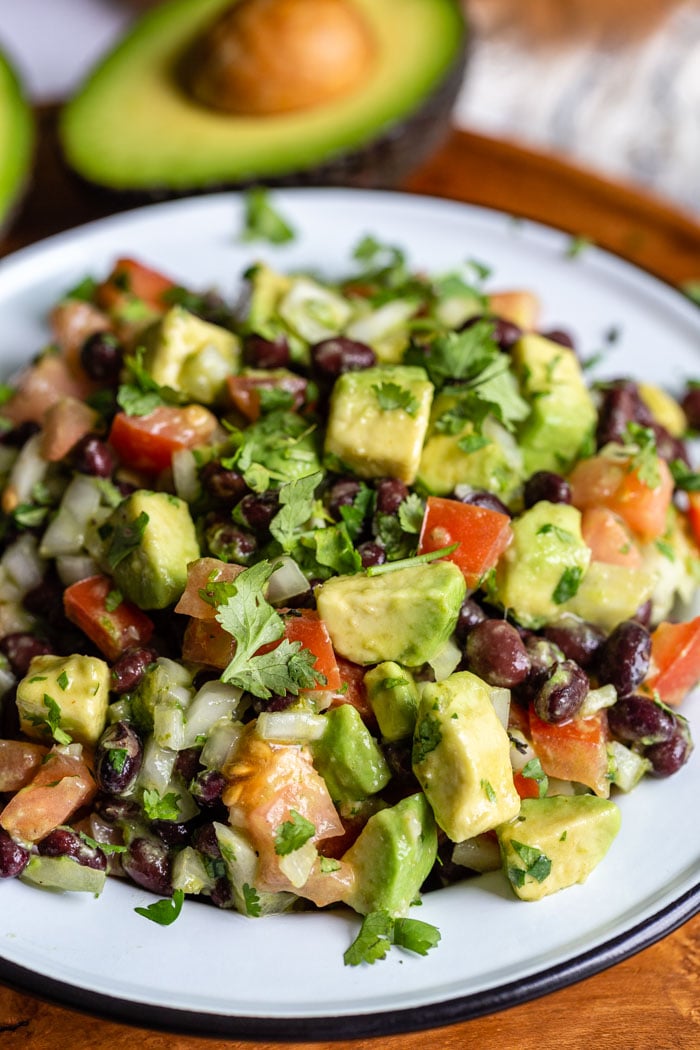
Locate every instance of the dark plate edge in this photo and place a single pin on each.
(354, 1026)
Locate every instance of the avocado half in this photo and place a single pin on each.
(16, 139)
(133, 128)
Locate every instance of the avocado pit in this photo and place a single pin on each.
(269, 57)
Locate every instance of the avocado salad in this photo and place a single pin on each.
(337, 594)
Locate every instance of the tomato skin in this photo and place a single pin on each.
(674, 666)
(200, 575)
(526, 786)
(574, 750)
(600, 481)
(19, 762)
(113, 631)
(131, 280)
(147, 443)
(694, 514)
(245, 391)
(40, 387)
(62, 784)
(482, 534)
(609, 538)
(352, 690)
(65, 423)
(307, 627)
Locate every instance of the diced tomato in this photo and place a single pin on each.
(601, 481)
(694, 514)
(65, 423)
(574, 750)
(245, 391)
(206, 642)
(307, 627)
(148, 442)
(200, 575)
(131, 280)
(674, 667)
(482, 535)
(609, 538)
(62, 784)
(352, 689)
(40, 387)
(112, 630)
(526, 787)
(522, 308)
(18, 763)
(72, 322)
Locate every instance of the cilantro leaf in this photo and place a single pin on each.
(252, 901)
(537, 864)
(262, 222)
(293, 833)
(645, 460)
(157, 807)
(415, 936)
(458, 355)
(428, 736)
(411, 513)
(354, 514)
(296, 507)
(333, 549)
(568, 585)
(533, 771)
(373, 941)
(108, 848)
(392, 396)
(487, 788)
(563, 535)
(473, 442)
(113, 600)
(164, 912)
(124, 538)
(142, 394)
(684, 478)
(53, 721)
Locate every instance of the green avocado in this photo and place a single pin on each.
(68, 693)
(405, 614)
(150, 541)
(133, 126)
(63, 873)
(393, 696)
(348, 757)
(191, 355)
(556, 842)
(16, 138)
(392, 857)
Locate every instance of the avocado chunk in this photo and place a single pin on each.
(393, 696)
(461, 756)
(384, 126)
(150, 540)
(378, 421)
(556, 842)
(64, 694)
(392, 856)
(348, 757)
(610, 594)
(563, 415)
(405, 615)
(63, 873)
(490, 460)
(543, 567)
(191, 355)
(241, 863)
(16, 138)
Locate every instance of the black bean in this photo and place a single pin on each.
(19, 435)
(13, 857)
(92, 456)
(64, 842)
(691, 406)
(390, 495)
(668, 756)
(639, 720)
(226, 486)
(332, 357)
(221, 893)
(258, 509)
(620, 406)
(20, 648)
(563, 338)
(577, 639)
(102, 356)
(546, 485)
(561, 695)
(118, 758)
(259, 352)
(371, 554)
(342, 493)
(187, 763)
(46, 600)
(668, 446)
(230, 543)
(543, 653)
(171, 832)
(205, 841)
(208, 786)
(147, 862)
(482, 498)
(623, 660)
(470, 614)
(130, 668)
(495, 652)
(117, 810)
(505, 333)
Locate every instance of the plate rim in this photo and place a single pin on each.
(382, 1022)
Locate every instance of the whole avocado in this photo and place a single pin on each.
(139, 123)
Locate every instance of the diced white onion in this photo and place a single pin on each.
(7, 680)
(313, 311)
(185, 475)
(22, 564)
(222, 742)
(290, 727)
(521, 751)
(297, 865)
(447, 660)
(286, 581)
(629, 766)
(157, 767)
(380, 322)
(500, 698)
(8, 456)
(66, 533)
(189, 873)
(169, 726)
(596, 700)
(74, 567)
(480, 853)
(27, 471)
(214, 701)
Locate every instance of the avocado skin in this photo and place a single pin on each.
(17, 137)
(383, 160)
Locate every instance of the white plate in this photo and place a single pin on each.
(220, 973)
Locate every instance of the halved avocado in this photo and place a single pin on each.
(16, 139)
(134, 126)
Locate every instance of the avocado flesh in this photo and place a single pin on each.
(132, 127)
(16, 138)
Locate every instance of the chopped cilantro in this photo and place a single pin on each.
(293, 833)
(537, 864)
(355, 513)
(487, 788)
(684, 478)
(392, 396)
(393, 683)
(405, 563)
(379, 931)
(63, 681)
(563, 535)
(252, 901)
(645, 460)
(84, 290)
(411, 513)
(415, 935)
(533, 771)
(296, 507)
(428, 736)
(113, 600)
(164, 912)
(117, 758)
(577, 245)
(666, 549)
(29, 516)
(472, 443)
(328, 865)
(692, 290)
(108, 848)
(262, 222)
(569, 583)
(125, 538)
(141, 395)
(161, 808)
(53, 721)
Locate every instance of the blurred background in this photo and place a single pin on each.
(612, 85)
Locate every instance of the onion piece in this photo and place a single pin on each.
(74, 567)
(500, 698)
(447, 660)
(21, 568)
(66, 533)
(28, 470)
(286, 581)
(481, 853)
(290, 727)
(214, 701)
(186, 475)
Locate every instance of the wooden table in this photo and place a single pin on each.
(648, 1002)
